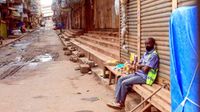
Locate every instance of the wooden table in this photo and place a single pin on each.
(112, 73)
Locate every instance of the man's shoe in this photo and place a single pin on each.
(115, 105)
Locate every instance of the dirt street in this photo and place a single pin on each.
(37, 77)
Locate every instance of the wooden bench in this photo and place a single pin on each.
(155, 95)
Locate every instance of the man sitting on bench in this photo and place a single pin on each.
(145, 74)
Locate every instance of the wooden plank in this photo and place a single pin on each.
(149, 96)
(164, 95)
(174, 4)
(155, 100)
(146, 108)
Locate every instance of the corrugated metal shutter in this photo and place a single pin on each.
(186, 2)
(154, 18)
(131, 37)
(154, 23)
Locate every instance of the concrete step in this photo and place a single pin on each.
(92, 54)
(73, 33)
(108, 33)
(104, 43)
(76, 30)
(104, 50)
(104, 37)
(67, 35)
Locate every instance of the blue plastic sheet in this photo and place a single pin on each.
(184, 63)
(119, 66)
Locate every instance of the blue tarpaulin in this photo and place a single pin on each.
(184, 63)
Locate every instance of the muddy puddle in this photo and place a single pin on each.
(43, 58)
(36, 60)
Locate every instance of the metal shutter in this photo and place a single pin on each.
(154, 23)
(186, 2)
(131, 37)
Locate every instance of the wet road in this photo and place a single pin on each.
(35, 76)
(25, 52)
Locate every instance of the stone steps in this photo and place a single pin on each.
(73, 33)
(115, 34)
(92, 54)
(104, 43)
(108, 44)
(104, 37)
(102, 49)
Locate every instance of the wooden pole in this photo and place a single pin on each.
(174, 4)
(147, 99)
(138, 29)
(146, 107)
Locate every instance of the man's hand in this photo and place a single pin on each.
(139, 66)
(131, 67)
(143, 68)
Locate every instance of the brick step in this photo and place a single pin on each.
(92, 54)
(115, 34)
(103, 37)
(102, 42)
(105, 50)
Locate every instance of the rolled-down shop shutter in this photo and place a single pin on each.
(131, 37)
(186, 2)
(154, 23)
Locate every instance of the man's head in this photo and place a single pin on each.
(149, 44)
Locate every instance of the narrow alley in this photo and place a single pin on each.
(37, 77)
(99, 56)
